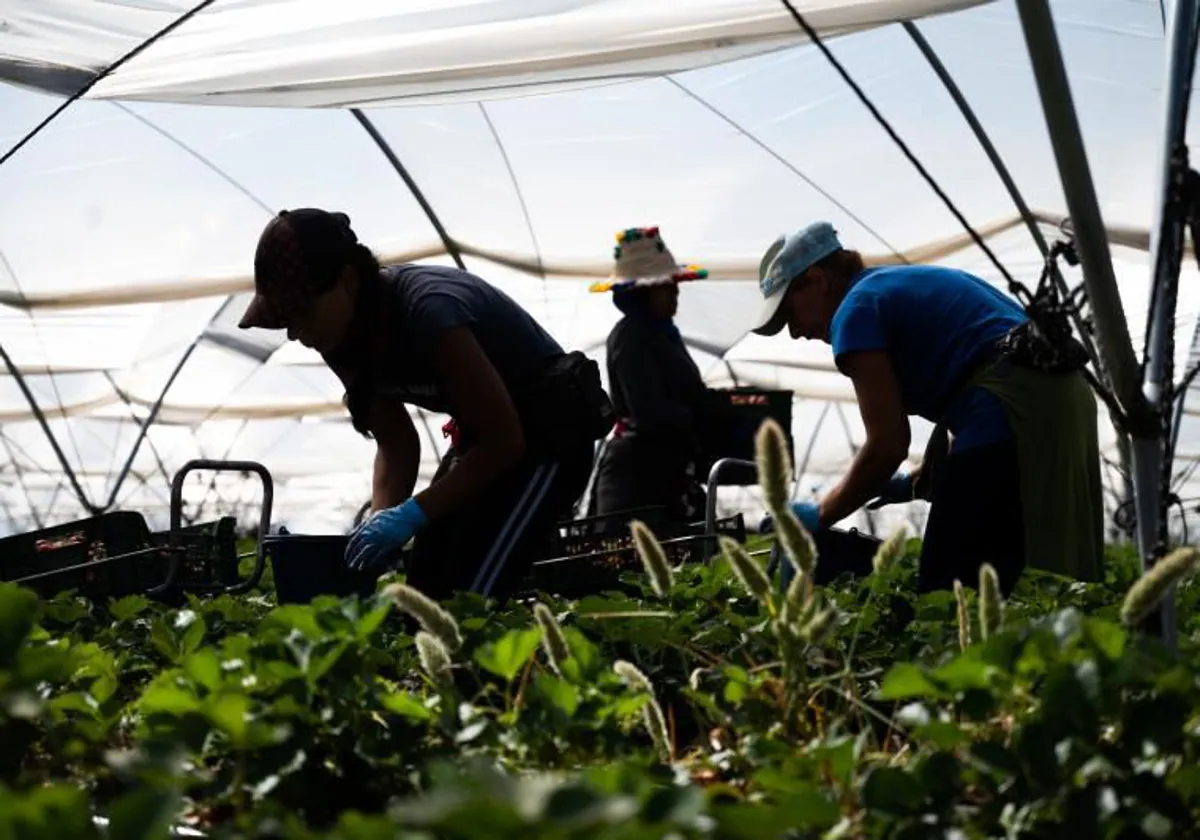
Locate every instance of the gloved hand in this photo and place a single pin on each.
(809, 514)
(899, 489)
(382, 534)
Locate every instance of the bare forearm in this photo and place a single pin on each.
(872, 467)
(475, 471)
(394, 479)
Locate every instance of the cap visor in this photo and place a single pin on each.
(771, 320)
(257, 314)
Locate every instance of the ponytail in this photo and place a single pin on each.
(356, 361)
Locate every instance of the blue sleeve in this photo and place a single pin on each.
(857, 326)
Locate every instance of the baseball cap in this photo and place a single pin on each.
(300, 254)
(787, 258)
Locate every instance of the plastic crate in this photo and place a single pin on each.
(305, 566)
(748, 408)
(105, 556)
(839, 553)
(209, 559)
(590, 554)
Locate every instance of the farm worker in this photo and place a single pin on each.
(669, 421)
(525, 414)
(1020, 484)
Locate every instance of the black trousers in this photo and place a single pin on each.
(638, 473)
(488, 547)
(975, 517)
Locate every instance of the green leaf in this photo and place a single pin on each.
(230, 713)
(204, 667)
(371, 622)
(509, 653)
(143, 814)
(559, 693)
(403, 703)
(674, 805)
(1108, 638)
(193, 637)
(169, 700)
(301, 617)
(892, 791)
(18, 615)
(163, 640)
(800, 809)
(129, 607)
(965, 672)
(994, 758)
(905, 680)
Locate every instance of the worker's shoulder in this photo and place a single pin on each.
(886, 275)
(416, 285)
(913, 281)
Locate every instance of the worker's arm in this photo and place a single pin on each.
(483, 409)
(888, 435)
(397, 453)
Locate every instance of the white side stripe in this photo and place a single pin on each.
(514, 527)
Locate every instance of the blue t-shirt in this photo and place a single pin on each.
(932, 322)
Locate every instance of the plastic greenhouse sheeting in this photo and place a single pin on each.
(535, 130)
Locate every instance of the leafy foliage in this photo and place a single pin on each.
(711, 709)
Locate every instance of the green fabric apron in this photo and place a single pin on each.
(1053, 418)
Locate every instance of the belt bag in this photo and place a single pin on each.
(1024, 346)
(1028, 347)
(564, 406)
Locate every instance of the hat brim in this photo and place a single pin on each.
(259, 314)
(682, 274)
(772, 318)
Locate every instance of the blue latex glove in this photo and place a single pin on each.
(383, 534)
(809, 515)
(899, 489)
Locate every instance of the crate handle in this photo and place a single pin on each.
(733, 471)
(264, 520)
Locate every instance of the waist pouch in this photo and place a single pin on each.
(1024, 346)
(564, 405)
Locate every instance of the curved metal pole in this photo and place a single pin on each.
(451, 246)
(45, 425)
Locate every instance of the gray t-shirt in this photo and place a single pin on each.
(426, 301)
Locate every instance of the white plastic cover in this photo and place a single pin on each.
(127, 228)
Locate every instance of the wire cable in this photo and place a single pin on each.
(908, 153)
(105, 73)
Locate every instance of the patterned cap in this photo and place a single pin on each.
(300, 255)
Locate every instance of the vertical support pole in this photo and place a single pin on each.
(1092, 242)
(1145, 397)
(1172, 206)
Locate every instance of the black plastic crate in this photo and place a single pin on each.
(591, 554)
(839, 552)
(307, 565)
(209, 557)
(749, 407)
(110, 555)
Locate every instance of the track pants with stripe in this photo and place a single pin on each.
(488, 547)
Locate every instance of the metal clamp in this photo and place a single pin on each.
(264, 521)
